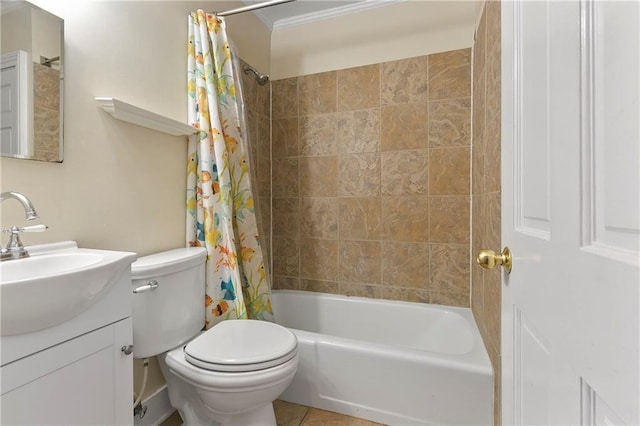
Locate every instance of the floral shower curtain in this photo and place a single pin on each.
(220, 208)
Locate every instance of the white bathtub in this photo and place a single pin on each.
(396, 363)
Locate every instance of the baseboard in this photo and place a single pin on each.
(158, 409)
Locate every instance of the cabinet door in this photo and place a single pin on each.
(85, 381)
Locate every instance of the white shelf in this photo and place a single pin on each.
(142, 117)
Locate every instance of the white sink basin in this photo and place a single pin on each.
(46, 265)
(58, 282)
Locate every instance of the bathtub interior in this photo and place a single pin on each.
(439, 329)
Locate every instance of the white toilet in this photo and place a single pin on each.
(229, 374)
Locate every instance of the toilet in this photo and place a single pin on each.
(227, 375)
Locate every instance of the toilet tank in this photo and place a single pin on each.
(173, 311)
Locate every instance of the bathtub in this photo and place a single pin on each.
(397, 363)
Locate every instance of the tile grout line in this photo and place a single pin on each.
(306, 413)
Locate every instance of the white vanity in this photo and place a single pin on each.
(65, 337)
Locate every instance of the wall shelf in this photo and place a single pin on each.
(142, 117)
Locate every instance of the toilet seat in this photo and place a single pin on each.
(242, 346)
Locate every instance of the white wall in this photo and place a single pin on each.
(46, 34)
(16, 30)
(401, 30)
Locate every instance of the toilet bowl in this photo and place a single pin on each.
(233, 385)
(229, 374)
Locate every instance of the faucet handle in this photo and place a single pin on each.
(15, 249)
(34, 228)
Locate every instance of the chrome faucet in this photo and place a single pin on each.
(29, 211)
(15, 249)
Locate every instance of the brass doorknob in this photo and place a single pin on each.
(488, 259)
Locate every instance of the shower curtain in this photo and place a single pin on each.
(220, 207)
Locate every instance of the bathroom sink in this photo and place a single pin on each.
(46, 265)
(57, 282)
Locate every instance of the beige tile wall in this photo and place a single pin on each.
(257, 100)
(485, 178)
(46, 113)
(371, 180)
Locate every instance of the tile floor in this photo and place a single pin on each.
(288, 414)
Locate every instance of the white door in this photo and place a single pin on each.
(570, 212)
(15, 114)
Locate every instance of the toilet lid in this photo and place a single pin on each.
(242, 345)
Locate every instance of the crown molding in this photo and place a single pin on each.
(263, 18)
(332, 13)
(324, 14)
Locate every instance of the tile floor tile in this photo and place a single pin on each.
(317, 417)
(289, 414)
(172, 420)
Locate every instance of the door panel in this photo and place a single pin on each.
(610, 124)
(533, 373)
(16, 118)
(83, 381)
(9, 108)
(570, 324)
(532, 137)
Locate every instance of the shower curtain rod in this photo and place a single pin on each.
(252, 7)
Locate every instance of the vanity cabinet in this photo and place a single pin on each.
(82, 381)
(73, 372)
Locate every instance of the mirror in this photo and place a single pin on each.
(31, 115)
